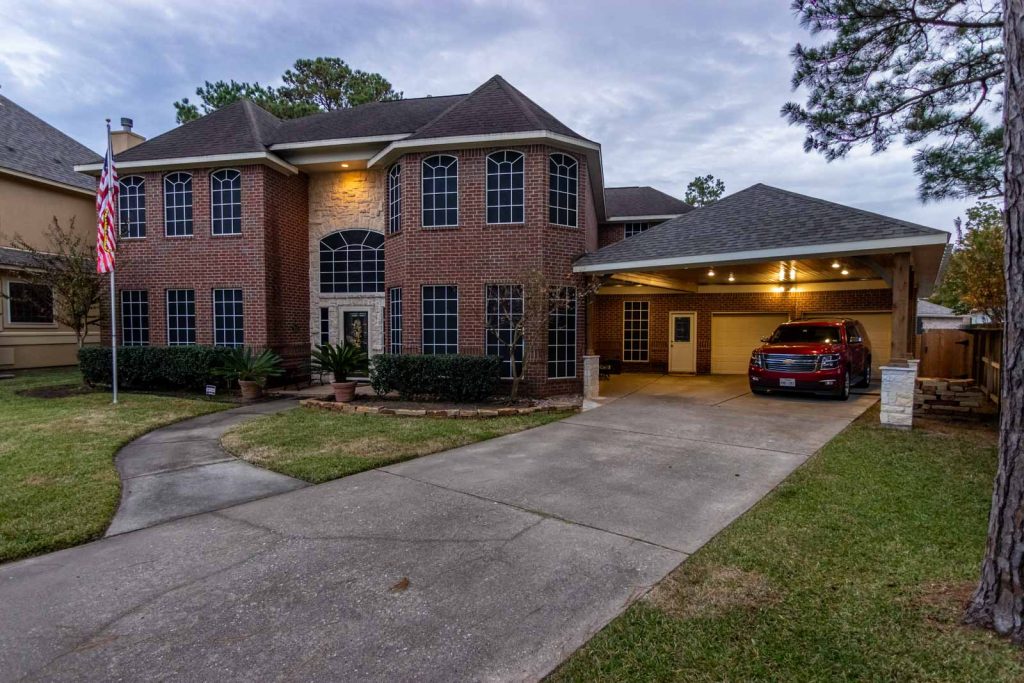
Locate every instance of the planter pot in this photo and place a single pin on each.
(344, 391)
(250, 390)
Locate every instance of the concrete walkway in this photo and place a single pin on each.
(489, 562)
(181, 470)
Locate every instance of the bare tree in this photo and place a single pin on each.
(67, 267)
(517, 311)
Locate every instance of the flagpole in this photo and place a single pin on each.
(113, 299)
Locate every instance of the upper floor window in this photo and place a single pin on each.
(562, 197)
(440, 191)
(352, 261)
(631, 229)
(226, 202)
(505, 187)
(131, 205)
(178, 204)
(395, 198)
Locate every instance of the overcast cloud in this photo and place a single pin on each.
(670, 89)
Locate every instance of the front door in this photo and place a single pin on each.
(682, 348)
(356, 329)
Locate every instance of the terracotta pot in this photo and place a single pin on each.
(344, 391)
(250, 390)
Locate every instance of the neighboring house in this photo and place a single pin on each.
(403, 226)
(936, 317)
(37, 183)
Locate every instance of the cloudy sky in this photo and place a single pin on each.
(670, 89)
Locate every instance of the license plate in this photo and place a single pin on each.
(787, 382)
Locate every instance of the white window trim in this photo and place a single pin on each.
(121, 326)
(391, 203)
(7, 309)
(576, 337)
(458, 193)
(163, 190)
(241, 203)
(487, 332)
(213, 316)
(423, 316)
(634, 301)
(145, 223)
(576, 165)
(487, 176)
(167, 315)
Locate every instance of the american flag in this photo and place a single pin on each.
(106, 212)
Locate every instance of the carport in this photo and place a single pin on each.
(696, 294)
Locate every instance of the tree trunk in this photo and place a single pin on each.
(998, 602)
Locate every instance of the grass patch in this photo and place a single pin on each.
(856, 568)
(58, 483)
(317, 445)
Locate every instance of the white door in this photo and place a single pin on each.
(735, 335)
(682, 349)
(879, 329)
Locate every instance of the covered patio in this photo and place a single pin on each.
(696, 294)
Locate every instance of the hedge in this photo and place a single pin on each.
(153, 367)
(444, 378)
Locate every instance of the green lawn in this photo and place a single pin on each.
(58, 484)
(317, 445)
(856, 568)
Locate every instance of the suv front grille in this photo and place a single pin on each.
(784, 362)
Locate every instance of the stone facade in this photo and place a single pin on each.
(949, 398)
(898, 382)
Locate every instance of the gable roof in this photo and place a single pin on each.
(926, 308)
(30, 146)
(636, 201)
(494, 107)
(758, 222)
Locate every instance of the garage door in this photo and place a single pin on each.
(879, 329)
(735, 335)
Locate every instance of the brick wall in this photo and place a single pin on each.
(286, 211)
(610, 233)
(608, 339)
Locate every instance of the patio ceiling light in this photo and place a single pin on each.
(835, 264)
(845, 271)
(732, 278)
(711, 272)
(792, 272)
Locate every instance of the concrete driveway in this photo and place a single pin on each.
(489, 562)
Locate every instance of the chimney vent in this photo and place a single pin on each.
(126, 124)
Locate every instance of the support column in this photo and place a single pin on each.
(591, 361)
(900, 306)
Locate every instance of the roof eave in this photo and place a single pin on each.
(46, 181)
(834, 249)
(265, 158)
(337, 142)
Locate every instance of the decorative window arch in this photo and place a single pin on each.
(178, 204)
(440, 191)
(131, 204)
(563, 195)
(395, 199)
(505, 187)
(226, 202)
(352, 262)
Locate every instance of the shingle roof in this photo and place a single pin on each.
(494, 107)
(374, 118)
(30, 145)
(757, 218)
(927, 308)
(642, 201)
(17, 258)
(236, 128)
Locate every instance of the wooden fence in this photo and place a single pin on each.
(945, 353)
(987, 359)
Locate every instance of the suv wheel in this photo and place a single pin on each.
(844, 391)
(866, 379)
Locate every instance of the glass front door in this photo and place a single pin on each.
(356, 325)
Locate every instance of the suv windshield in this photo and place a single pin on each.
(795, 334)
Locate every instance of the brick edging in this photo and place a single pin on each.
(462, 413)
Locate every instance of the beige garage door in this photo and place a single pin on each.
(879, 329)
(735, 335)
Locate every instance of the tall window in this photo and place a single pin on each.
(325, 325)
(228, 320)
(440, 191)
(135, 317)
(131, 204)
(29, 304)
(505, 187)
(178, 204)
(562, 334)
(440, 319)
(352, 262)
(226, 202)
(632, 229)
(394, 310)
(563, 171)
(635, 315)
(395, 198)
(504, 315)
(181, 317)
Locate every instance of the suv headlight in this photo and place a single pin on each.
(830, 361)
(755, 360)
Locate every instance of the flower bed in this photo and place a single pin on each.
(450, 413)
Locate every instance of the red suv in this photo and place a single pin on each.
(823, 356)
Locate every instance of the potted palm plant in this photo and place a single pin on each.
(249, 369)
(341, 360)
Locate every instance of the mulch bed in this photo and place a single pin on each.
(56, 391)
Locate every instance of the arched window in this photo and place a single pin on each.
(352, 262)
(505, 187)
(178, 204)
(395, 198)
(226, 202)
(563, 172)
(440, 191)
(131, 205)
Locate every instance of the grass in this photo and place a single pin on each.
(317, 445)
(855, 568)
(58, 483)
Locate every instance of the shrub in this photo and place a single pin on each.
(245, 365)
(446, 378)
(340, 360)
(153, 367)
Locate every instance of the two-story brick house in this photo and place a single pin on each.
(403, 225)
